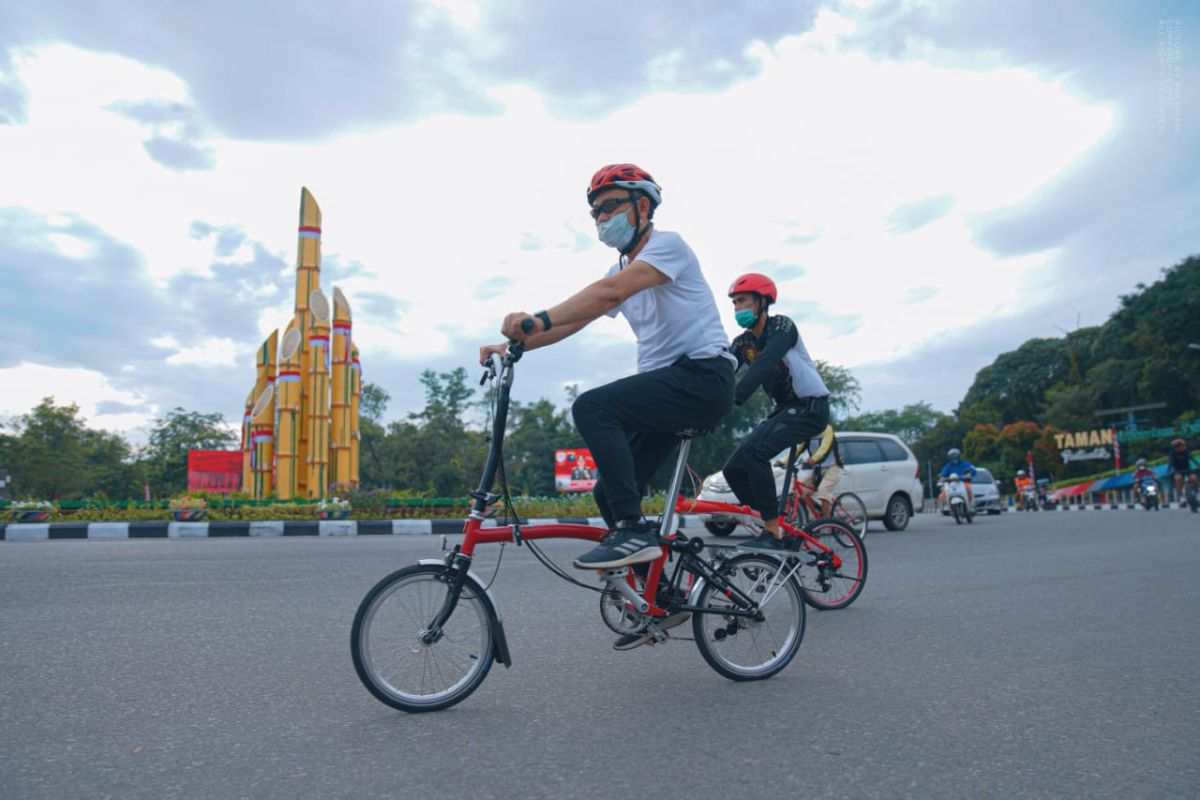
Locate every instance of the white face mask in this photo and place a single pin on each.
(616, 231)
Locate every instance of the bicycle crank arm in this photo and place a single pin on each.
(615, 580)
(728, 612)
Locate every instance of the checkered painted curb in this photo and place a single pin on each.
(1102, 507)
(24, 532)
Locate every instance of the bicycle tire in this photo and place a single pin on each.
(852, 511)
(796, 513)
(842, 588)
(742, 648)
(396, 666)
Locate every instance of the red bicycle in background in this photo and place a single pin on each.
(425, 636)
(835, 553)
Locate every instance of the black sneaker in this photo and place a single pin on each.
(626, 545)
(631, 640)
(766, 541)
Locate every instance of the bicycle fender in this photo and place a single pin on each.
(499, 640)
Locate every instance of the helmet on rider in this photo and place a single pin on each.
(1141, 462)
(764, 291)
(755, 283)
(1177, 442)
(625, 176)
(954, 454)
(1020, 473)
(615, 230)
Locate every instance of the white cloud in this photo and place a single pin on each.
(217, 352)
(823, 145)
(27, 384)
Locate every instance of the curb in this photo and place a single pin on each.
(1121, 507)
(37, 531)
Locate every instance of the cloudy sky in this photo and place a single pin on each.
(930, 183)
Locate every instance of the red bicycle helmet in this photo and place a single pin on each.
(757, 283)
(627, 176)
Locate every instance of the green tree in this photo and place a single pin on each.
(166, 452)
(910, 423)
(373, 438)
(845, 392)
(435, 452)
(52, 454)
(113, 471)
(535, 431)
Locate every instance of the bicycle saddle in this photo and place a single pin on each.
(693, 433)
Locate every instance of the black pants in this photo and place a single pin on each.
(748, 470)
(630, 425)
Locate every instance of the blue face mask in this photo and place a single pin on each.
(616, 231)
(746, 317)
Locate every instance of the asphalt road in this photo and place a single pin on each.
(1044, 655)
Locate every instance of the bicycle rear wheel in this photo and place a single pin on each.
(828, 586)
(391, 657)
(746, 648)
(853, 512)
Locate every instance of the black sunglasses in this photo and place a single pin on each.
(610, 205)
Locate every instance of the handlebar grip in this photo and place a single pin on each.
(527, 325)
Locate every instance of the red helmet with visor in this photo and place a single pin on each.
(755, 282)
(625, 176)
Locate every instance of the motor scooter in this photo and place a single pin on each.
(1148, 492)
(956, 498)
(1029, 498)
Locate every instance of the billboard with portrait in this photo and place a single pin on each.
(574, 470)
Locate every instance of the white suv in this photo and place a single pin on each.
(879, 468)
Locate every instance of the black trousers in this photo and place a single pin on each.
(748, 470)
(630, 425)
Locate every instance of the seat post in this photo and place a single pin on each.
(668, 517)
(788, 472)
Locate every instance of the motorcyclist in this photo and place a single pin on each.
(1142, 475)
(1022, 482)
(957, 465)
(1179, 462)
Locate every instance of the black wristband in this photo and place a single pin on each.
(545, 318)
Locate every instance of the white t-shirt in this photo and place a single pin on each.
(676, 318)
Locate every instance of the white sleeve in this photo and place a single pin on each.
(666, 253)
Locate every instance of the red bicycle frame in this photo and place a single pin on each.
(745, 514)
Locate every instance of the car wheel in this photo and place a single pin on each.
(720, 528)
(897, 513)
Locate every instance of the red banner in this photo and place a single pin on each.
(574, 471)
(214, 470)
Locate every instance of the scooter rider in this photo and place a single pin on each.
(957, 465)
(1021, 483)
(1143, 474)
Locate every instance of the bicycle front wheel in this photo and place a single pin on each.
(828, 585)
(391, 656)
(853, 512)
(749, 648)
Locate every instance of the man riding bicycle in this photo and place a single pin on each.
(826, 472)
(772, 355)
(957, 465)
(684, 376)
(1179, 464)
